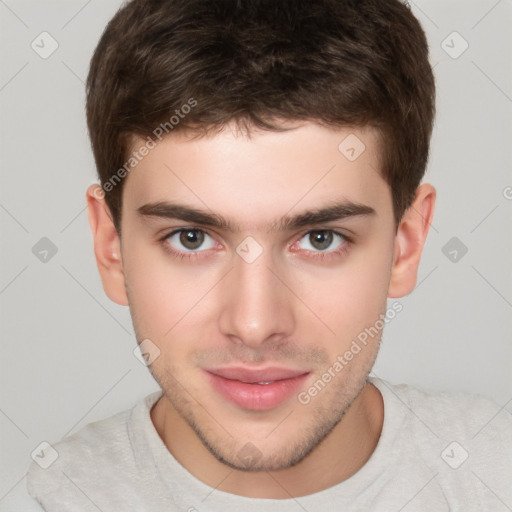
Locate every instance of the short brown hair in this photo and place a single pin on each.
(259, 62)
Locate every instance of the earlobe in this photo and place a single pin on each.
(409, 241)
(107, 246)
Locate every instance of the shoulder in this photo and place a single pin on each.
(450, 412)
(464, 439)
(99, 448)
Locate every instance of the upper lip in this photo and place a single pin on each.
(250, 376)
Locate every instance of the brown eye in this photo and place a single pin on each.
(321, 240)
(190, 239)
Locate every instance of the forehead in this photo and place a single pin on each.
(254, 179)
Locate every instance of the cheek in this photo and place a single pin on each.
(351, 296)
(171, 299)
(166, 297)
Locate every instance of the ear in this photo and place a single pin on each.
(107, 246)
(409, 240)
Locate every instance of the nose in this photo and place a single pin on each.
(257, 308)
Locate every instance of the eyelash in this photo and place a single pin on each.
(320, 255)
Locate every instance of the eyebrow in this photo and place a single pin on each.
(337, 211)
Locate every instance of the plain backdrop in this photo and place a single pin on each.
(67, 351)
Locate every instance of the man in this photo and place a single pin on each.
(260, 200)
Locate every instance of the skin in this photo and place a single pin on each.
(288, 308)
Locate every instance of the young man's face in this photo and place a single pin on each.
(251, 309)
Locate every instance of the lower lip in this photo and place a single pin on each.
(257, 397)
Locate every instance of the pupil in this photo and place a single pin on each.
(321, 239)
(191, 239)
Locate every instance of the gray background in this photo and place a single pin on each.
(67, 351)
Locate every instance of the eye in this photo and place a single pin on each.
(322, 240)
(189, 240)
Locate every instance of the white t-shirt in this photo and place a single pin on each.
(437, 452)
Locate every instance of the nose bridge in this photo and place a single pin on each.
(256, 306)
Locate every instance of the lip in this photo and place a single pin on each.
(241, 385)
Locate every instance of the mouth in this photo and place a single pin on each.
(256, 389)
